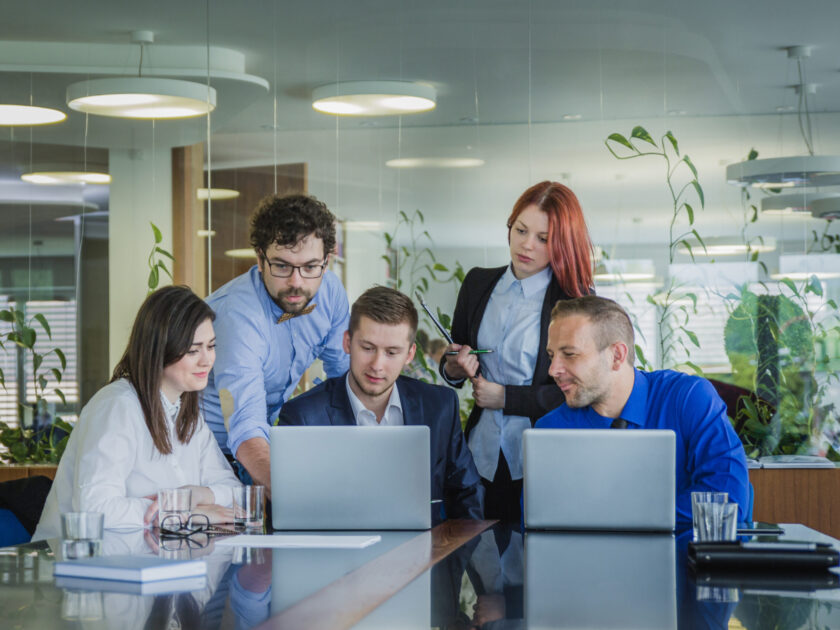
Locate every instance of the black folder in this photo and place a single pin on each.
(785, 555)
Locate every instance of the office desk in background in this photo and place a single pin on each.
(459, 573)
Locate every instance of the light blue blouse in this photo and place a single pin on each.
(511, 328)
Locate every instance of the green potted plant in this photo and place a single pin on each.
(43, 438)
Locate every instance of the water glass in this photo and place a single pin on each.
(174, 506)
(81, 534)
(704, 497)
(717, 521)
(249, 506)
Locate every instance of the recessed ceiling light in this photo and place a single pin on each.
(785, 108)
(677, 112)
(205, 233)
(57, 178)
(435, 162)
(141, 97)
(803, 266)
(14, 115)
(625, 270)
(373, 98)
(241, 253)
(723, 246)
(215, 194)
(572, 116)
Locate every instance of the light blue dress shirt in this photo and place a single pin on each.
(511, 328)
(710, 456)
(259, 361)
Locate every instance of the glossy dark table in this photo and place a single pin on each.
(462, 574)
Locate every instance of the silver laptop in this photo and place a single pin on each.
(599, 479)
(600, 580)
(350, 478)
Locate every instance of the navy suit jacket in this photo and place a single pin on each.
(454, 475)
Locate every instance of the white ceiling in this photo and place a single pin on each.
(507, 71)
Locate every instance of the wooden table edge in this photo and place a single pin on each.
(349, 599)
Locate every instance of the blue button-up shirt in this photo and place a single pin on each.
(710, 456)
(511, 328)
(259, 361)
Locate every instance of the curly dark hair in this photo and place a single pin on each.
(288, 219)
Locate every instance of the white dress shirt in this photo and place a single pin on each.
(393, 416)
(111, 464)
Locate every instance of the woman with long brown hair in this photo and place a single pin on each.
(144, 431)
(507, 309)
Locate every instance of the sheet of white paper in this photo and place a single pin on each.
(301, 541)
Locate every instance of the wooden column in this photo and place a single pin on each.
(189, 249)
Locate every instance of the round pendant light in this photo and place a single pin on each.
(58, 178)
(20, 115)
(435, 162)
(203, 194)
(141, 97)
(373, 98)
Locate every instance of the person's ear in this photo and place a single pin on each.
(346, 341)
(619, 350)
(411, 352)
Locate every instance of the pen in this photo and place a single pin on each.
(454, 352)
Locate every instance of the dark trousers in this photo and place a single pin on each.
(502, 496)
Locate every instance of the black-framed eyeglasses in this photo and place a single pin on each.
(172, 527)
(285, 270)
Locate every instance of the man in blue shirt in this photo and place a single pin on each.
(272, 323)
(591, 345)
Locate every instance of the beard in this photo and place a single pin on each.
(292, 307)
(585, 396)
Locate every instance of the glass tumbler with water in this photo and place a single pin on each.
(174, 507)
(81, 534)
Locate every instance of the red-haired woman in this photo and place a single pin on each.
(507, 310)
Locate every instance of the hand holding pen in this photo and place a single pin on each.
(461, 361)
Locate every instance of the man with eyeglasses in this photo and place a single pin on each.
(271, 324)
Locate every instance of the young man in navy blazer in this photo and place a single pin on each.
(380, 342)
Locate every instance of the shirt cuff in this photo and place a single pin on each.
(245, 435)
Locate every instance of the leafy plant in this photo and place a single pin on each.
(33, 444)
(413, 267)
(772, 343)
(675, 306)
(27, 446)
(155, 262)
(24, 335)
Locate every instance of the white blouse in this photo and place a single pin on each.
(111, 463)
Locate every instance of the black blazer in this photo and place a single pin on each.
(532, 401)
(455, 479)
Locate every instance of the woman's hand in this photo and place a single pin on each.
(487, 394)
(461, 365)
(150, 518)
(200, 495)
(215, 513)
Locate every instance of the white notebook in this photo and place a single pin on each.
(130, 568)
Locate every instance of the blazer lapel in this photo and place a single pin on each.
(412, 406)
(340, 412)
(481, 306)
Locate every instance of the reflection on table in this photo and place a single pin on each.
(460, 575)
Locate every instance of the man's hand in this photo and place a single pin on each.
(255, 455)
(487, 394)
(461, 365)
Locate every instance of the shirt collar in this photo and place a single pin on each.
(358, 407)
(635, 409)
(531, 285)
(170, 409)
